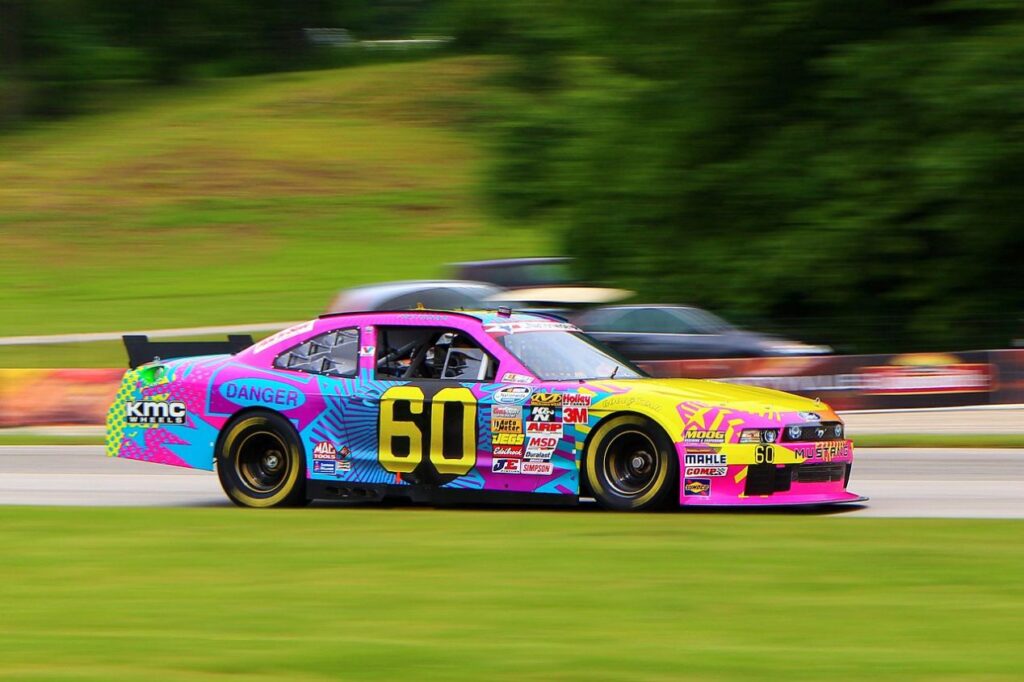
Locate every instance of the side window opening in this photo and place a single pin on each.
(419, 353)
(334, 353)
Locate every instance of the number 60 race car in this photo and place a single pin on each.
(444, 406)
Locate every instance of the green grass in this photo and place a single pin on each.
(245, 200)
(321, 594)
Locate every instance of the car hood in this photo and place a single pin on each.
(752, 399)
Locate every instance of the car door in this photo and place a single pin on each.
(432, 382)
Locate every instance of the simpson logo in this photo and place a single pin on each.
(542, 414)
(699, 436)
(324, 450)
(506, 425)
(543, 427)
(547, 399)
(506, 412)
(507, 439)
(512, 395)
(697, 487)
(706, 471)
(576, 400)
(505, 466)
(537, 468)
(507, 450)
(701, 459)
(155, 412)
(575, 415)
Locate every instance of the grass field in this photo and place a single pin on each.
(318, 594)
(245, 200)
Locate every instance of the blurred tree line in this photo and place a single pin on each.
(55, 54)
(849, 171)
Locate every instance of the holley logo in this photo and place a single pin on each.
(262, 392)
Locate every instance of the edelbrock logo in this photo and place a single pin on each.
(155, 412)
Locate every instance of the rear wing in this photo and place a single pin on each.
(141, 350)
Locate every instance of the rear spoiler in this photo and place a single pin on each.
(141, 350)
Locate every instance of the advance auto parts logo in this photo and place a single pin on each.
(155, 412)
(928, 373)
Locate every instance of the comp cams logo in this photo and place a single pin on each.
(155, 412)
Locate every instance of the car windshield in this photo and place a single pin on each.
(566, 356)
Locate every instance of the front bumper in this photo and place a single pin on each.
(797, 474)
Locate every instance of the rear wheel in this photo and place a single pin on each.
(631, 464)
(260, 462)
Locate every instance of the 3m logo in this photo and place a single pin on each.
(575, 415)
(155, 412)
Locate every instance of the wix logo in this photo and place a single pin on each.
(155, 412)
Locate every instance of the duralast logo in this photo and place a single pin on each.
(155, 412)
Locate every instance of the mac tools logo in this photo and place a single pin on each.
(155, 412)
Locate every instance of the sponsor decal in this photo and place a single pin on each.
(706, 471)
(324, 450)
(282, 335)
(507, 451)
(505, 466)
(367, 350)
(506, 412)
(537, 468)
(529, 326)
(324, 467)
(542, 414)
(507, 439)
(262, 392)
(541, 445)
(696, 447)
(830, 449)
(512, 395)
(344, 452)
(697, 487)
(540, 456)
(513, 378)
(576, 400)
(809, 416)
(506, 425)
(547, 399)
(704, 436)
(155, 412)
(543, 427)
(575, 415)
(344, 466)
(702, 459)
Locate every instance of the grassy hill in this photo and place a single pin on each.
(244, 200)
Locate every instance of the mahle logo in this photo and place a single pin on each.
(155, 412)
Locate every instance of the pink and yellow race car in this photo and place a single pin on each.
(443, 406)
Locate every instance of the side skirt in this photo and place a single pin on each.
(375, 492)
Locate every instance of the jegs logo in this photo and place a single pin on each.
(155, 412)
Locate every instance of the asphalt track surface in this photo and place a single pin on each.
(901, 482)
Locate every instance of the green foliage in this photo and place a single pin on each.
(846, 172)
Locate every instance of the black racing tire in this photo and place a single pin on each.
(260, 462)
(631, 464)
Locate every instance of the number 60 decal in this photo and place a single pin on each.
(451, 445)
(764, 454)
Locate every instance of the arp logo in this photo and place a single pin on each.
(155, 412)
(697, 487)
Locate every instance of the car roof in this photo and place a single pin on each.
(511, 262)
(484, 316)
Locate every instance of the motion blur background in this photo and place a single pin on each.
(844, 173)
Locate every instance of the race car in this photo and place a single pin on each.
(467, 406)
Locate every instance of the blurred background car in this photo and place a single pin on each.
(440, 294)
(659, 332)
(541, 283)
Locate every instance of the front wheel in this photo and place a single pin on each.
(631, 464)
(260, 462)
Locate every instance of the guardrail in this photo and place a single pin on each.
(42, 397)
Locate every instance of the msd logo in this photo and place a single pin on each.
(155, 412)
